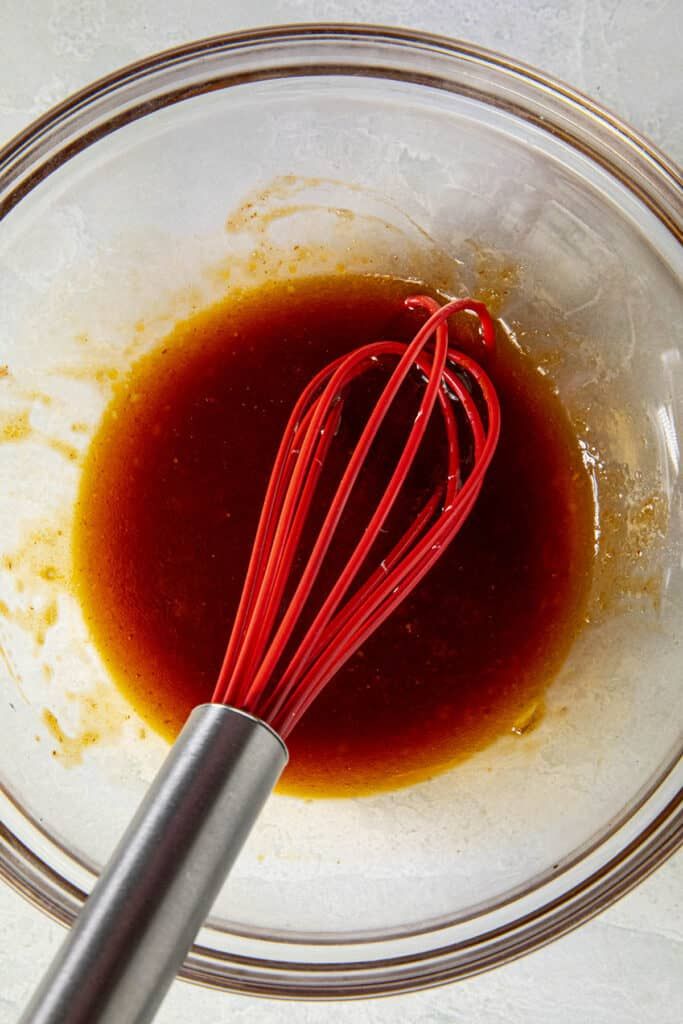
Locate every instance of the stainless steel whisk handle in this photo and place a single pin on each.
(131, 937)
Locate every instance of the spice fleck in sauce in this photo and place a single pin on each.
(169, 499)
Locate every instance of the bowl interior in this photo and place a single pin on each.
(169, 212)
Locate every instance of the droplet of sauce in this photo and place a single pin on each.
(171, 490)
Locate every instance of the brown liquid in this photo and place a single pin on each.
(170, 493)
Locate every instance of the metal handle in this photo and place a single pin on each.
(132, 935)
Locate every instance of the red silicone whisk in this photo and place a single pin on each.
(253, 676)
(158, 887)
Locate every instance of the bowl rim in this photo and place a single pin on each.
(49, 140)
(423, 59)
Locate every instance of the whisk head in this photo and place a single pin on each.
(274, 669)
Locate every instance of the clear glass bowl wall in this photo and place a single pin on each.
(114, 212)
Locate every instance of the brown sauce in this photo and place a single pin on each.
(169, 497)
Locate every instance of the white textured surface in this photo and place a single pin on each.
(625, 966)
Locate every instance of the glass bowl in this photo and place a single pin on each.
(288, 151)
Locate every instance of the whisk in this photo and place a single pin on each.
(133, 933)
